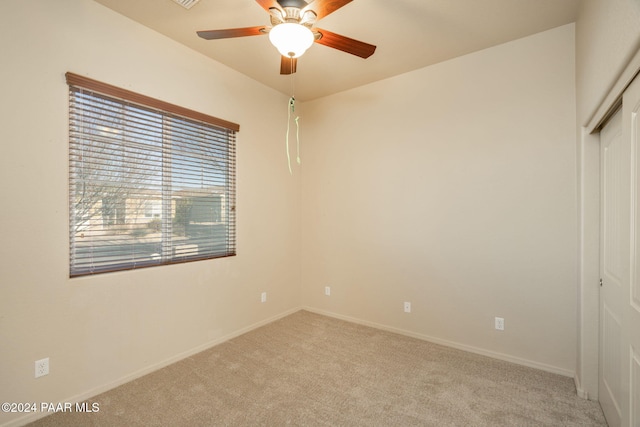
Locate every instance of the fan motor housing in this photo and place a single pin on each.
(292, 14)
(292, 3)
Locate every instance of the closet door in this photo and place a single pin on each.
(631, 315)
(614, 263)
(619, 371)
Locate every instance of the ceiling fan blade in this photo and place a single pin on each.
(324, 7)
(288, 65)
(345, 44)
(232, 32)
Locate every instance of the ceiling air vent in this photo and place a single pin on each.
(187, 4)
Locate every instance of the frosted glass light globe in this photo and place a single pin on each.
(291, 39)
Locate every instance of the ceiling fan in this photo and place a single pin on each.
(296, 16)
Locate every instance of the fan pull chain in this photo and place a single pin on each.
(298, 139)
(292, 109)
(289, 109)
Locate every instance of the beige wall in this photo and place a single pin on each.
(607, 37)
(99, 331)
(452, 187)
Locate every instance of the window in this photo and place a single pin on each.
(151, 183)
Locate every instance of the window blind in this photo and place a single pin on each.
(147, 186)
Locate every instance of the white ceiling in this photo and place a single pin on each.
(409, 34)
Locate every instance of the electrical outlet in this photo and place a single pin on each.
(407, 307)
(263, 297)
(499, 324)
(327, 291)
(42, 367)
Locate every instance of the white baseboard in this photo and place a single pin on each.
(581, 392)
(459, 346)
(147, 370)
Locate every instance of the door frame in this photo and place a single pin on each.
(588, 196)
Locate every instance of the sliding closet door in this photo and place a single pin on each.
(631, 317)
(614, 263)
(619, 372)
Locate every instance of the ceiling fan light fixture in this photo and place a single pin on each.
(291, 39)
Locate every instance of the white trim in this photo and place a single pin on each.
(452, 344)
(588, 261)
(581, 392)
(144, 371)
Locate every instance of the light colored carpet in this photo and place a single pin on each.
(312, 370)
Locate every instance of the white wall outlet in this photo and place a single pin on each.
(407, 307)
(499, 323)
(263, 297)
(327, 291)
(42, 367)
